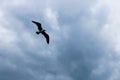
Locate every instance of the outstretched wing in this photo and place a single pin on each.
(38, 25)
(46, 36)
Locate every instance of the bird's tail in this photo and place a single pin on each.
(37, 33)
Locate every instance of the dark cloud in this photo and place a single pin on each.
(77, 51)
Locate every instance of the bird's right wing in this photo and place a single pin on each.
(46, 36)
(38, 25)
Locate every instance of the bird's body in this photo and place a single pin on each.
(42, 31)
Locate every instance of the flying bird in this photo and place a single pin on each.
(41, 30)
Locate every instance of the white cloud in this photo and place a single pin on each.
(111, 29)
(6, 37)
(110, 33)
(52, 17)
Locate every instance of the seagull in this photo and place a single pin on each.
(42, 31)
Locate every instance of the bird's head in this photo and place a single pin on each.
(37, 33)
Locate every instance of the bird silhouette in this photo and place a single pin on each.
(41, 30)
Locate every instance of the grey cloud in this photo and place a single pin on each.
(76, 50)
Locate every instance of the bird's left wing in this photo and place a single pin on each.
(38, 25)
(46, 36)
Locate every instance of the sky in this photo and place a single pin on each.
(84, 40)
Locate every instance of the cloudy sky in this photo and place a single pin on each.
(84, 40)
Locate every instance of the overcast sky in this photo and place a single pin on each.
(84, 40)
